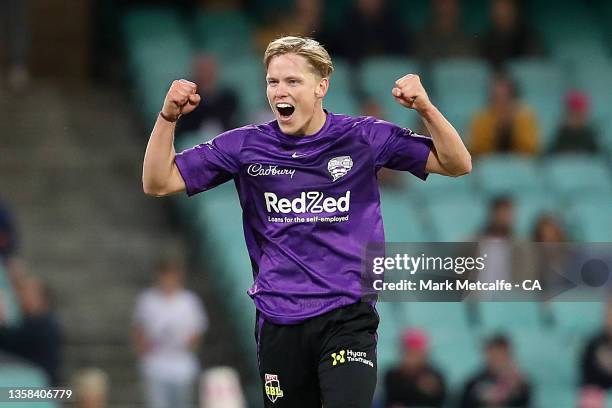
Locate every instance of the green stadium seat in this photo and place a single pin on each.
(575, 175)
(246, 76)
(21, 375)
(340, 98)
(401, 218)
(541, 85)
(142, 23)
(416, 14)
(595, 78)
(438, 187)
(458, 220)
(577, 320)
(590, 219)
(9, 299)
(507, 174)
(212, 34)
(460, 89)
(548, 361)
(378, 76)
(528, 207)
(509, 316)
(389, 331)
(455, 352)
(435, 316)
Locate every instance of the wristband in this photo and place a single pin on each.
(167, 119)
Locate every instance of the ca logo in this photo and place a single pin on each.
(338, 358)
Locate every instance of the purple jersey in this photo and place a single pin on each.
(310, 204)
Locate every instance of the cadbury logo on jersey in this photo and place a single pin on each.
(339, 166)
(258, 169)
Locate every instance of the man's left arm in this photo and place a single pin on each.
(449, 156)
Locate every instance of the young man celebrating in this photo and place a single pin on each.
(308, 188)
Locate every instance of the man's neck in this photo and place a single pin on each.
(316, 123)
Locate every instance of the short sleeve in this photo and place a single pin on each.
(210, 164)
(399, 148)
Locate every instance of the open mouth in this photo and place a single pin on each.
(285, 110)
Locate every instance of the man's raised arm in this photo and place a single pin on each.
(160, 176)
(449, 157)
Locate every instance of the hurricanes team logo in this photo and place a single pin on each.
(339, 166)
(272, 386)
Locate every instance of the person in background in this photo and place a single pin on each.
(307, 20)
(37, 337)
(15, 27)
(371, 29)
(500, 383)
(548, 229)
(221, 104)
(415, 382)
(576, 134)
(509, 36)
(91, 388)
(506, 125)
(596, 361)
(443, 37)
(8, 235)
(169, 322)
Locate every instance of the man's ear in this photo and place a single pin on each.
(322, 87)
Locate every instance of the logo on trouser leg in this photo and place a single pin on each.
(351, 356)
(272, 386)
(338, 358)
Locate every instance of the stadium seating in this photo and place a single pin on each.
(541, 85)
(212, 35)
(460, 89)
(519, 175)
(8, 298)
(456, 220)
(403, 219)
(19, 375)
(441, 209)
(340, 97)
(528, 207)
(590, 219)
(575, 175)
(378, 76)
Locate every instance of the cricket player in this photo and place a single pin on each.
(307, 184)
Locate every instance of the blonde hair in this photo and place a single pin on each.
(308, 48)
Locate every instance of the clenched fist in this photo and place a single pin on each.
(409, 92)
(180, 99)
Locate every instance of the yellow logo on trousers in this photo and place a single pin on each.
(338, 358)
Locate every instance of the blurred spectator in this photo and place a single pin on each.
(596, 364)
(414, 383)
(220, 388)
(443, 37)
(495, 240)
(575, 135)
(509, 35)
(168, 325)
(37, 337)
(500, 220)
(548, 229)
(8, 235)
(370, 28)
(91, 387)
(500, 383)
(506, 125)
(15, 25)
(306, 20)
(219, 106)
